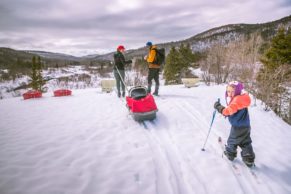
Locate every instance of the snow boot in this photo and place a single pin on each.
(248, 159)
(155, 94)
(230, 155)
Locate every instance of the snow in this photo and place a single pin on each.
(89, 143)
(6, 87)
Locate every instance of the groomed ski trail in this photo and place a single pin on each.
(180, 167)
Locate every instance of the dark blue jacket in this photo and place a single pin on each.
(240, 119)
(237, 111)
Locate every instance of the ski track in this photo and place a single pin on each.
(184, 159)
(161, 158)
(258, 180)
(162, 154)
(161, 175)
(177, 163)
(166, 152)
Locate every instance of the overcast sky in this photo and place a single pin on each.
(81, 27)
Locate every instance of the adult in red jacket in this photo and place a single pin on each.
(119, 73)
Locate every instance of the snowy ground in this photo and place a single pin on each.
(88, 143)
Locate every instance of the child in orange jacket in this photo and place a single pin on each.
(238, 116)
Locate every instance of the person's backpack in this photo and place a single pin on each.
(160, 56)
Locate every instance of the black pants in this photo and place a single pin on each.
(240, 137)
(119, 80)
(153, 74)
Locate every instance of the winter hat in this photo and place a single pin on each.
(238, 87)
(149, 43)
(120, 47)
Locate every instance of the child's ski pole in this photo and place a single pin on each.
(213, 116)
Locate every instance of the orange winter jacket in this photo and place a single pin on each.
(237, 103)
(237, 111)
(151, 57)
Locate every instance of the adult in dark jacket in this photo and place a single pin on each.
(154, 69)
(119, 73)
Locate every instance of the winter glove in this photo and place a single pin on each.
(218, 107)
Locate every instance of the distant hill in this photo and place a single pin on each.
(18, 59)
(219, 35)
(233, 32)
(51, 55)
(9, 57)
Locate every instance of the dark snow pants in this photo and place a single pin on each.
(153, 74)
(240, 136)
(119, 81)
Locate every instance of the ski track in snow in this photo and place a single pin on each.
(176, 163)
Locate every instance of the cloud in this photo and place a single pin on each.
(89, 26)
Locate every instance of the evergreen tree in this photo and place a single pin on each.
(36, 76)
(41, 81)
(177, 63)
(279, 52)
(172, 66)
(275, 73)
(187, 57)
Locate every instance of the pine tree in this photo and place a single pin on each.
(41, 82)
(187, 57)
(177, 63)
(172, 66)
(275, 73)
(36, 76)
(279, 52)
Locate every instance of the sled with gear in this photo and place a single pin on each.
(190, 82)
(32, 94)
(62, 92)
(107, 85)
(141, 104)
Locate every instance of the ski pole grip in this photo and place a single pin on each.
(218, 100)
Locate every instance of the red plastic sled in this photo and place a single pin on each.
(62, 92)
(141, 104)
(32, 94)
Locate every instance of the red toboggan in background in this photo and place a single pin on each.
(32, 94)
(62, 92)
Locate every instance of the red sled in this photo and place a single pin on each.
(62, 92)
(32, 94)
(141, 105)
